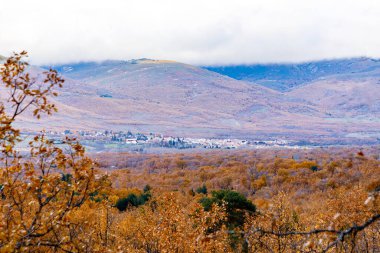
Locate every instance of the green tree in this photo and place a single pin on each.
(132, 200)
(236, 204)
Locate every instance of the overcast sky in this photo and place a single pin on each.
(193, 31)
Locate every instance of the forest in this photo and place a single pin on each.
(61, 199)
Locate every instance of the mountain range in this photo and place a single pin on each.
(284, 77)
(335, 101)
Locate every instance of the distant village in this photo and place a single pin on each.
(158, 140)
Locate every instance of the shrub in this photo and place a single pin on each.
(132, 200)
(202, 189)
(314, 168)
(147, 188)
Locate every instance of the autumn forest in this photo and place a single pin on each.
(62, 199)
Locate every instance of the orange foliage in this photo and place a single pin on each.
(59, 200)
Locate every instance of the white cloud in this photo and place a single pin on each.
(196, 31)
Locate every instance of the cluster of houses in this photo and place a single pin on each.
(158, 140)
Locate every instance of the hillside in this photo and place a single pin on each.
(284, 77)
(184, 100)
(175, 97)
(343, 98)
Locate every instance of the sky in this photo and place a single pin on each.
(200, 32)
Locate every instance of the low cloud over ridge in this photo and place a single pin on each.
(197, 32)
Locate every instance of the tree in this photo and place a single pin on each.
(236, 205)
(38, 196)
(181, 164)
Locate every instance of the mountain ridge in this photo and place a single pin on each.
(286, 76)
